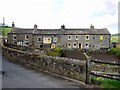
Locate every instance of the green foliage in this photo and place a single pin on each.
(114, 50)
(51, 53)
(4, 31)
(114, 37)
(55, 52)
(57, 49)
(118, 53)
(106, 83)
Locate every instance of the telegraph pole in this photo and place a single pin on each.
(3, 21)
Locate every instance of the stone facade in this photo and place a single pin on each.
(87, 38)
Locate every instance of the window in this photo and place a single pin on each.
(27, 44)
(20, 43)
(101, 38)
(74, 45)
(52, 46)
(87, 37)
(76, 37)
(46, 40)
(14, 37)
(87, 45)
(55, 39)
(69, 45)
(69, 37)
(26, 37)
(39, 39)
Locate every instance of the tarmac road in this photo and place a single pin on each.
(17, 76)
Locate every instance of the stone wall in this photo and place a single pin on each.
(107, 68)
(72, 68)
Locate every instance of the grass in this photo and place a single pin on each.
(4, 31)
(106, 83)
(114, 37)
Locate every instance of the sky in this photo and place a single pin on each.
(54, 13)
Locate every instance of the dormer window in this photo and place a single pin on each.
(26, 37)
(14, 37)
(69, 37)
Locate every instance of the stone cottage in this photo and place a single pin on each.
(82, 38)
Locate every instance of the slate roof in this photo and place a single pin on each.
(21, 30)
(58, 31)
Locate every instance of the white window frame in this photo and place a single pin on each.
(26, 42)
(74, 45)
(70, 37)
(14, 36)
(38, 39)
(86, 37)
(54, 39)
(69, 46)
(87, 46)
(77, 37)
(45, 40)
(52, 47)
(26, 36)
(20, 43)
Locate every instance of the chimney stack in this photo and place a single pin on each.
(63, 26)
(35, 27)
(13, 25)
(91, 27)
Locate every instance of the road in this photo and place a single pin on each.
(18, 76)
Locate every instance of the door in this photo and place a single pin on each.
(80, 45)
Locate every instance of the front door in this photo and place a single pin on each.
(80, 45)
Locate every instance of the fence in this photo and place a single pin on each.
(104, 69)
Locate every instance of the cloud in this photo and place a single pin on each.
(53, 13)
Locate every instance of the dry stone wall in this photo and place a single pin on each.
(72, 68)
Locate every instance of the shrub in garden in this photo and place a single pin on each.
(57, 49)
(55, 52)
(114, 50)
(118, 53)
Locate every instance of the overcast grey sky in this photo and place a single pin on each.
(54, 13)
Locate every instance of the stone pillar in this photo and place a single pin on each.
(88, 77)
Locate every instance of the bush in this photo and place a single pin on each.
(118, 54)
(57, 49)
(114, 50)
(52, 53)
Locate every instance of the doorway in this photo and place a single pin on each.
(80, 45)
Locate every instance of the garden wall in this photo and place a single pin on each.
(72, 68)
